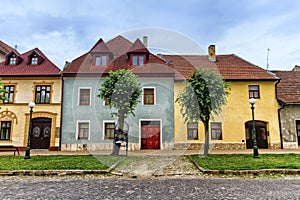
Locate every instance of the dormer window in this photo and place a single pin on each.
(137, 60)
(34, 60)
(101, 61)
(13, 60)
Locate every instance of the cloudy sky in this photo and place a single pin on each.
(65, 29)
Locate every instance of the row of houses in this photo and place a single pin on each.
(69, 116)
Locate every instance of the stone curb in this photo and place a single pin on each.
(50, 172)
(247, 172)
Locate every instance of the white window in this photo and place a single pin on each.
(149, 96)
(84, 96)
(137, 60)
(100, 61)
(108, 129)
(34, 60)
(13, 60)
(83, 130)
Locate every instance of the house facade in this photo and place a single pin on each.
(232, 129)
(30, 77)
(88, 122)
(289, 110)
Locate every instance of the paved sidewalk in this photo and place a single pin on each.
(159, 152)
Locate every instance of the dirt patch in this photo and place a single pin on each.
(148, 166)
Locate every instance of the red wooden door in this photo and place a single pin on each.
(150, 137)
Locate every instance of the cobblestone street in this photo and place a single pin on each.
(158, 188)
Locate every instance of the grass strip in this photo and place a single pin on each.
(57, 162)
(247, 162)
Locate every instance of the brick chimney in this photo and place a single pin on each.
(145, 41)
(212, 53)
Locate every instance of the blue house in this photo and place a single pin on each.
(88, 123)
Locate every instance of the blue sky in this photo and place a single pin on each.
(65, 29)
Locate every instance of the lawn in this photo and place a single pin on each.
(57, 162)
(247, 162)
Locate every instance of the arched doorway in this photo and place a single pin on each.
(261, 134)
(40, 133)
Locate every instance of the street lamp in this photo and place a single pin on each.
(27, 153)
(255, 148)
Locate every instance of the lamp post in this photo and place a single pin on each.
(255, 148)
(27, 153)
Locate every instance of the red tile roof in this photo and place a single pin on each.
(230, 67)
(45, 68)
(120, 47)
(100, 46)
(288, 89)
(138, 47)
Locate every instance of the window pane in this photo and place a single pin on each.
(84, 97)
(253, 87)
(42, 94)
(134, 60)
(109, 130)
(83, 129)
(103, 60)
(216, 131)
(10, 94)
(141, 60)
(192, 129)
(98, 60)
(5, 130)
(253, 91)
(34, 61)
(149, 96)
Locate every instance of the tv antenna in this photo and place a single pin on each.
(268, 53)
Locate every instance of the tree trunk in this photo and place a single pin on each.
(117, 146)
(206, 143)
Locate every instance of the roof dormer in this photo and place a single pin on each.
(34, 58)
(12, 58)
(101, 55)
(138, 54)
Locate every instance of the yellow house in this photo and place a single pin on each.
(30, 77)
(232, 129)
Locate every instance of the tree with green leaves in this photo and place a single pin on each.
(204, 95)
(2, 93)
(121, 90)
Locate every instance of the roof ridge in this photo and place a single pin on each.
(101, 46)
(138, 46)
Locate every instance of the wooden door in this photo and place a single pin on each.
(40, 133)
(298, 131)
(150, 135)
(261, 134)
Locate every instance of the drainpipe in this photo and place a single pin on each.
(61, 110)
(281, 106)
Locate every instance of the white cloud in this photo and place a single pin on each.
(251, 40)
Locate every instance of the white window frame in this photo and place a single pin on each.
(154, 91)
(99, 60)
(103, 127)
(90, 103)
(77, 128)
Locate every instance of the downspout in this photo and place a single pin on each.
(281, 106)
(61, 110)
